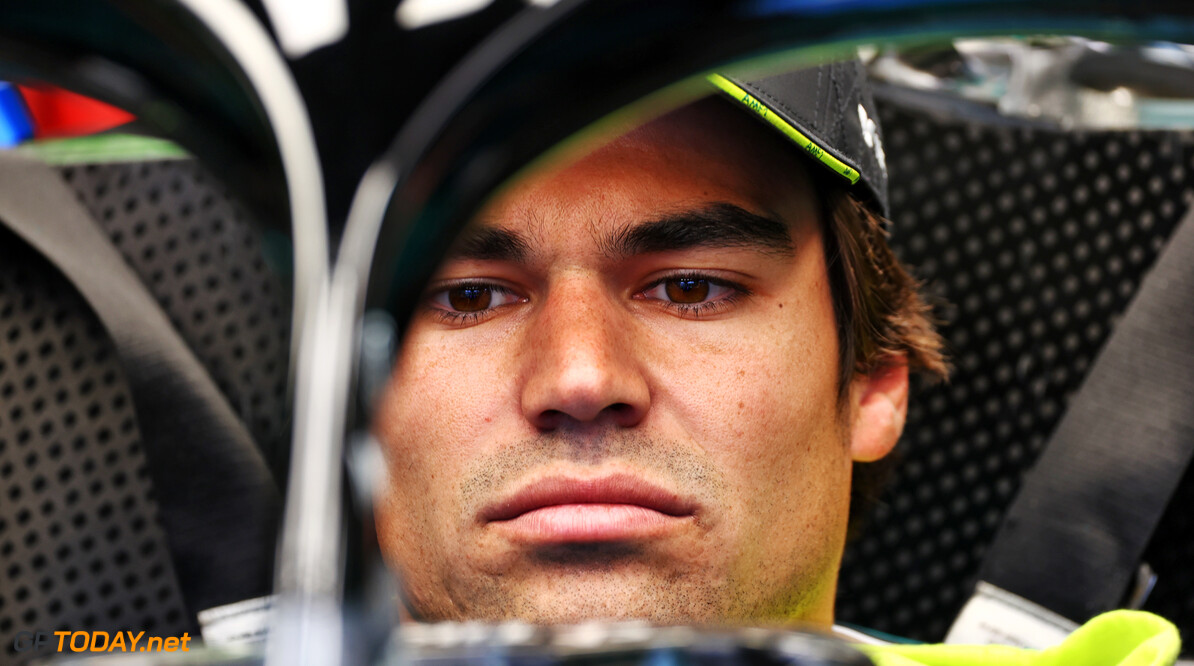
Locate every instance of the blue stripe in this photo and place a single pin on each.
(15, 123)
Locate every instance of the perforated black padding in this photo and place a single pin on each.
(196, 250)
(80, 543)
(1036, 240)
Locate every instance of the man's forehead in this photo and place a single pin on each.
(706, 120)
(706, 170)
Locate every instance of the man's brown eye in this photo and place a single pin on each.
(470, 298)
(687, 290)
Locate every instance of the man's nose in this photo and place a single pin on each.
(581, 364)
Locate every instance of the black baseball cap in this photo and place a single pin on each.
(829, 112)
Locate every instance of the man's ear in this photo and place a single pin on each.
(882, 405)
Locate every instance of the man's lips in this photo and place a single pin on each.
(558, 510)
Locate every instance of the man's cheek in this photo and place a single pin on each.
(777, 421)
(730, 400)
(441, 407)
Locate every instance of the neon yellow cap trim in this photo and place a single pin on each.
(730, 88)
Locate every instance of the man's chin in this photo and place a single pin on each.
(571, 586)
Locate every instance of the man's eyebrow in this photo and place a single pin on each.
(491, 244)
(718, 225)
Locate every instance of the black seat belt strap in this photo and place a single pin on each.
(216, 498)
(1073, 538)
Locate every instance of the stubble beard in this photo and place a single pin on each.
(613, 581)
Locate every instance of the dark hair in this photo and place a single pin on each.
(881, 316)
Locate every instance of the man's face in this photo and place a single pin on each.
(619, 397)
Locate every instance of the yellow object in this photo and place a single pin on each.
(1118, 638)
